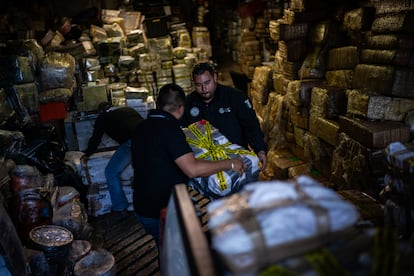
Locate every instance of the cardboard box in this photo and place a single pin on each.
(99, 199)
(79, 129)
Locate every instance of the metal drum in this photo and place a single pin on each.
(32, 208)
(98, 262)
(55, 242)
(25, 177)
(78, 250)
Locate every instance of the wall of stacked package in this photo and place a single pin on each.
(63, 73)
(335, 101)
(103, 61)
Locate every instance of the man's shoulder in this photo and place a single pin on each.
(230, 92)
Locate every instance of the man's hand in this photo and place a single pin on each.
(263, 159)
(238, 165)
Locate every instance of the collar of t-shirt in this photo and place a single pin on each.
(156, 113)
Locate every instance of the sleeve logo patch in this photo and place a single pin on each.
(248, 104)
(195, 111)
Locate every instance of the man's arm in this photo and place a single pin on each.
(251, 127)
(95, 139)
(193, 167)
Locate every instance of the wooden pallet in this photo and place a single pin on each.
(134, 251)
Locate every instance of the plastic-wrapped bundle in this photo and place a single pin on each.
(314, 65)
(370, 56)
(72, 216)
(16, 69)
(209, 144)
(57, 70)
(55, 95)
(359, 19)
(270, 221)
(162, 46)
(339, 78)
(393, 23)
(292, 50)
(382, 41)
(299, 91)
(260, 87)
(343, 58)
(373, 78)
(393, 6)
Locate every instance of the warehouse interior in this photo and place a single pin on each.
(332, 84)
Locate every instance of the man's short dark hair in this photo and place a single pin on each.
(202, 67)
(170, 97)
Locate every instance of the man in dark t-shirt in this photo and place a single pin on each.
(119, 124)
(162, 158)
(226, 108)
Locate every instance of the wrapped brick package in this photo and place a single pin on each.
(292, 50)
(382, 41)
(274, 220)
(378, 107)
(314, 65)
(370, 56)
(374, 134)
(343, 58)
(328, 102)
(56, 70)
(261, 84)
(299, 116)
(359, 19)
(318, 153)
(209, 144)
(280, 83)
(299, 91)
(339, 78)
(393, 23)
(325, 129)
(374, 78)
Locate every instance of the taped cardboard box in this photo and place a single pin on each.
(99, 199)
(79, 129)
(93, 172)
